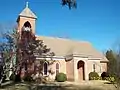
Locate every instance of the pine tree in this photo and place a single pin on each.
(20, 51)
(112, 62)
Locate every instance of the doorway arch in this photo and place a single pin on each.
(81, 71)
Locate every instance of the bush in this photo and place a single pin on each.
(112, 78)
(93, 76)
(28, 78)
(104, 75)
(12, 77)
(17, 78)
(61, 77)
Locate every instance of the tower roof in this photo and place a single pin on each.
(27, 12)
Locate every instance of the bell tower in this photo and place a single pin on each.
(26, 20)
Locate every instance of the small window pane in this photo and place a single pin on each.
(57, 68)
(94, 67)
(45, 68)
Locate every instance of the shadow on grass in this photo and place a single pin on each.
(108, 83)
(113, 83)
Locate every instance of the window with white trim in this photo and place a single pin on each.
(57, 68)
(45, 68)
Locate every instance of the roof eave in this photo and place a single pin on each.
(34, 17)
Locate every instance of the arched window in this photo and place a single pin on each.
(26, 31)
(94, 67)
(45, 68)
(57, 68)
(27, 24)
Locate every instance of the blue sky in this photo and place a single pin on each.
(96, 21)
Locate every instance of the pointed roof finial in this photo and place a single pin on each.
(27, 12)
(26, 4)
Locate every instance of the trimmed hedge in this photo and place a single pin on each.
(61, 77)
(93, 76)
(111, 79)
(28, 78)
(104, 75)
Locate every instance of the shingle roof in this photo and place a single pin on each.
(27, 13)
(63, 47)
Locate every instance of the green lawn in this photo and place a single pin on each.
(58, 86)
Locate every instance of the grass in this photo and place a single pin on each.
(48, 88)
(32, 86)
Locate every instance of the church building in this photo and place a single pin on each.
(74, 58)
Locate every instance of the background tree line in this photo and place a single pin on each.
(113, 67)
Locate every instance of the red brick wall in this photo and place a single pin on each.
(70, 70)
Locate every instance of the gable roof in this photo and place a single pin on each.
(63, 47)
(27, 13)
